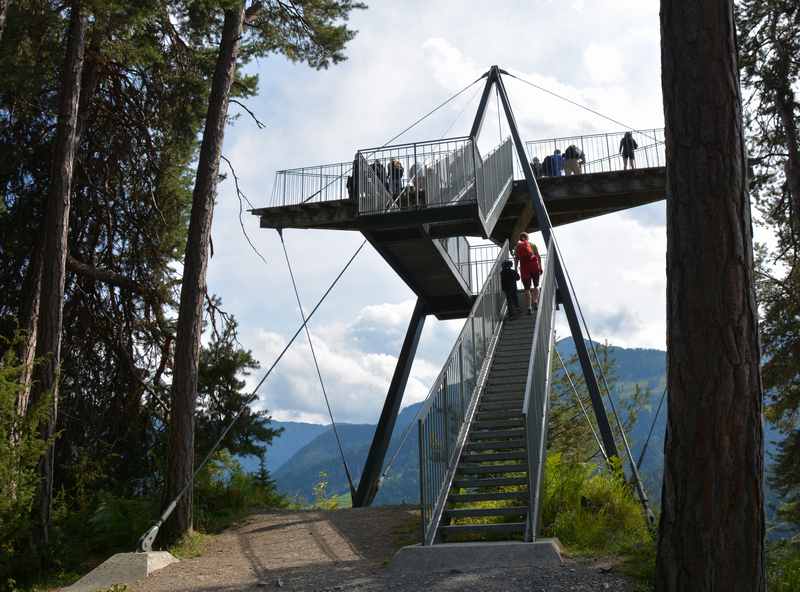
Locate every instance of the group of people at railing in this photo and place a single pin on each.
(389, 187)
(572, 161)
(527, 266)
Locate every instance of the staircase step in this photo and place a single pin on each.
(500, 405)
(494, 456)
(503, 395)
(505, 528)
(488, 424)
(507, 380)
(467, 469)
(466, 498)
(520, 364)
(496, 434)
(492, 414)
(492, 482)
(499, 445)
(480, 512)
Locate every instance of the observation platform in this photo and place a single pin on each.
(416, 203)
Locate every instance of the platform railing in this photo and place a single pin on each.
(327, 182)
(457, 248)
(537, 389)
(448, 410)
(495, 178)
(419, 175)
(601, 152)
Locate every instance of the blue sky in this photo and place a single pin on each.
(407, 58)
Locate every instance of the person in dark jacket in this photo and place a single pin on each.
(395, 174)
(380, 172)
(627, 147)
(538, 169)
(508, 281)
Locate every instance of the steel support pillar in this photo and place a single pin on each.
(566, 292)
(370, 476)
(543, 219)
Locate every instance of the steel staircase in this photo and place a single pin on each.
(482, 429)
(489, 495)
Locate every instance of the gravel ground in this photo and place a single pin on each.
(347, 550)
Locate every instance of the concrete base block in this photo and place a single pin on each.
(122, 568)
(476, 556)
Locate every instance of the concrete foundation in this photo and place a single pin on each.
(122, 568)
(476, 556)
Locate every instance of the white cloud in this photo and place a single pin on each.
(404, 61)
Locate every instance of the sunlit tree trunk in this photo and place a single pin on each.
(193, 288)
(711, 535)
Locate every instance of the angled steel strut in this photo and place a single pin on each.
(370, 478)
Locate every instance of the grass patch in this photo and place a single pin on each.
(783, 567)
(192, 544)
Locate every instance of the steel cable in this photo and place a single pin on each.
(316, 366)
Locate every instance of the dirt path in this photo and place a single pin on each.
(344, 550)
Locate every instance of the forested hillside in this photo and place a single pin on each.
(298, 476)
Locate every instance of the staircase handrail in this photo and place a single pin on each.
(537, 388)
(466, 368)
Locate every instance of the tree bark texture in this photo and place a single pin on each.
(28, 323)
(711, 535)
(785, 102)
(180, 462)
(3, 13)
(54, 253)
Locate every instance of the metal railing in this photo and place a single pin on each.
(537, 389)
(458, 249)
(327, 182)
(447, 412)
(419, 175)
(495, 178)
(481, 261)
(601, 153)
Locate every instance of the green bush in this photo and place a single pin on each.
(224, 492)
(21, 447)
(783, 567)
(591, 511)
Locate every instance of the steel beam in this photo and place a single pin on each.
(546, 227)
(568, 296)
(477, 123)
(370, 477)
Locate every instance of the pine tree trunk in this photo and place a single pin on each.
(28, 321)
(3, 13)
(193, 289)
(785, 101)
(54, 254)
(711, 535)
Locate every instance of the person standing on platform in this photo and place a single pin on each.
(508, 281)
(558, 163)
(538, 169)
(529, 264)
(574, 160)
(628, 146)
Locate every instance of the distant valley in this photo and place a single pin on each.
(304, 450)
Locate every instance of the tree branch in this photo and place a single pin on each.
(259, 123)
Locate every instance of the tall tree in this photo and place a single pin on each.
(303, 30)
(711, 535)
(54, 253)
(769, 47)
(193, 289)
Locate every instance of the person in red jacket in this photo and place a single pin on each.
(529, 263)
